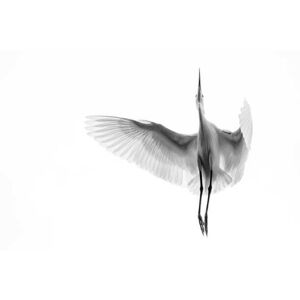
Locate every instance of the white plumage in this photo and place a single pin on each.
(170, 155)
(173, 156)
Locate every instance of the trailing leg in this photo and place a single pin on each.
(207, 204)
(201, 223)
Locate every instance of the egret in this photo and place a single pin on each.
(205, 162)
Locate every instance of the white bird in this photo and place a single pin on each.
(207, 161)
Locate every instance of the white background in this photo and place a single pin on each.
(77, 222)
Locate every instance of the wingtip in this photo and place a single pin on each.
(246, 124)
(246, 103)
(93, 117)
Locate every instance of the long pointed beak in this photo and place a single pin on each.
(199, 88)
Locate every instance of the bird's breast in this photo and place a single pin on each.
(207, 144)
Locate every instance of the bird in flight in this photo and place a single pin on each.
(205, 162)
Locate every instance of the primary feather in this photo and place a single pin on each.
(165, 153)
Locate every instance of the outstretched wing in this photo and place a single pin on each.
(165, 153)
(234, 146)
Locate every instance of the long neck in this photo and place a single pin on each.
(201, 121)
(203, 134)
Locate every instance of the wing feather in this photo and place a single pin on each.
(165, 153)
(246, 123)
(234, 146)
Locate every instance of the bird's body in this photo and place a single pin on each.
(205, 162)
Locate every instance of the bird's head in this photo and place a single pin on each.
(199, 102)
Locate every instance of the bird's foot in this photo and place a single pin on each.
(201, 223)
(206, 225)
